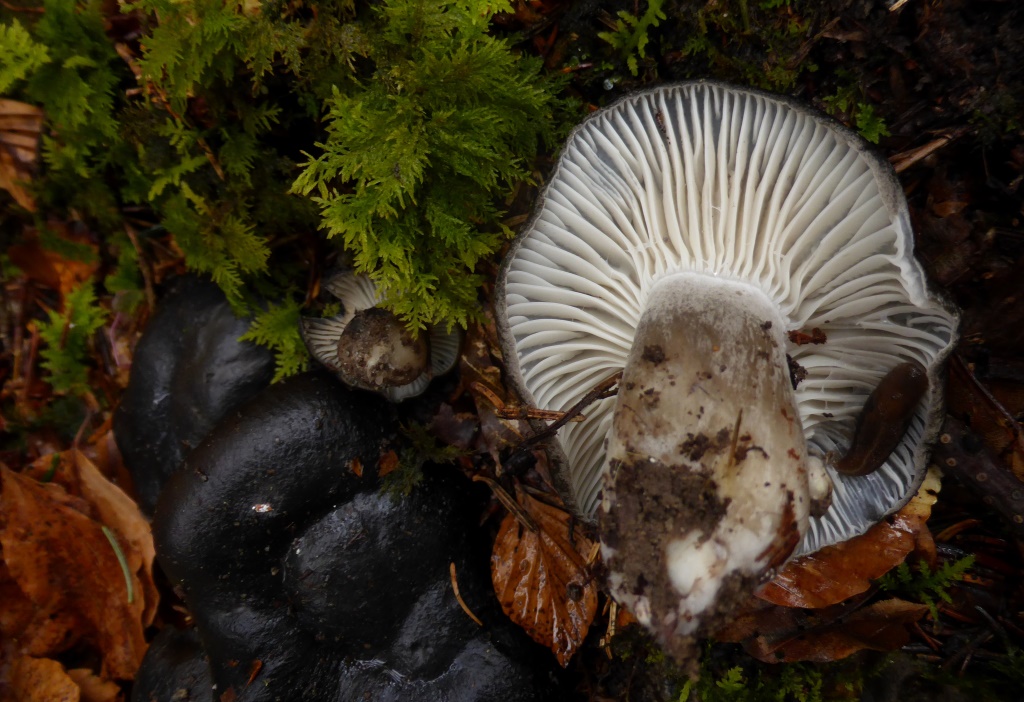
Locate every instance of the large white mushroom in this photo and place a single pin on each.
(686, 232)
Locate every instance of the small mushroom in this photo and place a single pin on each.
(685, 233)
(370, 348)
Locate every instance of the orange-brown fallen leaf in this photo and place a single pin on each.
(482, 378)
(969, 399)
(61, 561)
(45, 680)
(20, 127)
(40, 680)
(49, 268)
(107, 504)
(836, 573)
(387, 463)
(93, 687)
(785, 635)
(541, 577)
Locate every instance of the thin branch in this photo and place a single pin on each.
(462, 603)
(147, 275)
(598, 392)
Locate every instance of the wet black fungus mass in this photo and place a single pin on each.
(307, 582)
(189, 371)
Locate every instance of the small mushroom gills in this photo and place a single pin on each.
(687, 236)
(370, 348)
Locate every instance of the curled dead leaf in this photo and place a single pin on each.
(48, 267)
(483, 379)
(839, 572)
(94, 688)
(786, 635)
(387, 463)
(108, 504)
(541, 577)
(20, 127)
(1000, 431)
(63, 564)
(40, 680)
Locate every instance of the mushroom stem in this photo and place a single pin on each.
(708, 484)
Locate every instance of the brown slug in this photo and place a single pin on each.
(884, 419)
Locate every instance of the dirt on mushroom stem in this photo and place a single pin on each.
(690, 528)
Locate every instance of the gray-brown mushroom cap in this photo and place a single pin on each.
(736, 185)
(369, 348)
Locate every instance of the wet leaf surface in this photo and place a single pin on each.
(839, 572)
(482, 377)
(994, 424)
(20, 127)
(777, 635)
(41, 680)
(541, 577)
(64, 565)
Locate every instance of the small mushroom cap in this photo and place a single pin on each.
(327, 341)
(734, 184)
(376, 351)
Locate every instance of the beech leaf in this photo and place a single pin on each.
(61, 561)
(838, 572)
(541, 578)
(791, 635)
(20, 127)
(40, 680)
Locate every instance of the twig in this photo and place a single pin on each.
(510, 504)
(15, 8)
(735, 439)
(523, 412)
(455, 587)
(905, 159)
(598, 392)
(147, 274)
(161, 99)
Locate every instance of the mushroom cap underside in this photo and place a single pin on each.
(732, 184)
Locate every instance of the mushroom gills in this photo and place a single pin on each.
(709, 480)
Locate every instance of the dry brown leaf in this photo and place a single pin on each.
(41, 680)
(483, 380)
(838, 572)
(108, 504)
(23, 628)
(120, 513)
(48, 267)
(387, 463)
(63, 563)
(541, 578)
(94, 688)
(968, 398)
(20, 127)
(786, 636)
